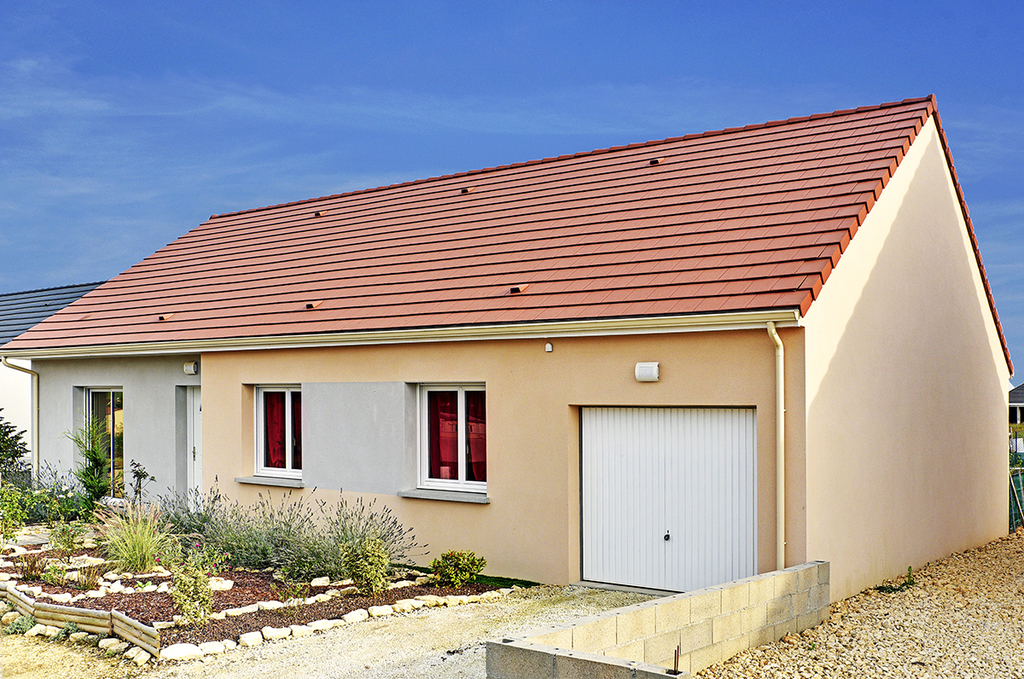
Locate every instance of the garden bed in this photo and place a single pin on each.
(155, 609)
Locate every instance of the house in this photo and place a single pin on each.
(667, 365)
(1016, 398)
(19, 311)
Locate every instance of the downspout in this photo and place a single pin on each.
(35, 412)
(780, 448)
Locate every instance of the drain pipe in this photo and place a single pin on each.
(780, 448)
(35, 412)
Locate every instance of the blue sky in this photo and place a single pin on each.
(125, 124)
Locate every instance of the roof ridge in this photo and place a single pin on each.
(582, 154)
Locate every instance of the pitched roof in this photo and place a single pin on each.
(743, 219)
(19, 311)
(1017, 395)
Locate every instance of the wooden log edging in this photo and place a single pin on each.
(87, 620)
(146, 638)
(22, 602)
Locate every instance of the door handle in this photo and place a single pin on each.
(667, 537)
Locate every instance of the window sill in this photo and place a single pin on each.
(271, 481)
(445, 495)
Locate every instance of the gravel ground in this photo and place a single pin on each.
(963, 617)
(439, 642)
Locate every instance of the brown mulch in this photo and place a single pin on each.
(249, 587)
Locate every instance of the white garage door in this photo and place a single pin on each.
(669, 496)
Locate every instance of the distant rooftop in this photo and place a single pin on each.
(19, 311)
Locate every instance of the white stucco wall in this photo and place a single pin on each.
(906, 388)
(16, 398)
(154, 411)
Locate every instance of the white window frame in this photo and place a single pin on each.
(459, 484)
(261, 469)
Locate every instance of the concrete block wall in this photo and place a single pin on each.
(707, 626)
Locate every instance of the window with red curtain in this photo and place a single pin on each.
(274, 429)
(281, 435)
(455, 437)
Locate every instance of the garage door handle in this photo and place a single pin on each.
(666, 536)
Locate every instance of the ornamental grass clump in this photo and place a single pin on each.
(457, 568)
(135, 538)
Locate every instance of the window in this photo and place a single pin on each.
(105, 408)
(279, 431)
(453, 448)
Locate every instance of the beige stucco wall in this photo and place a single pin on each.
(906, 389)
(531, 528)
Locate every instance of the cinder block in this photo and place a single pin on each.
(762, 589)
(779, 609)
(559, 638)
(570, 665)
(726, 627)
(634, 624)
(508, 661)
(735, 645)
(705, 605)
(765, 635)
(705, 657)
(634, 650)
(735, 597)
(755, 617)
(785, 627)
(661, 646)
(808, 620)
(785, 583)
(824, 572)
(801, 601)
(672, 614)
(696, 635)
(595, 635)
(819, 597)
(806, 577)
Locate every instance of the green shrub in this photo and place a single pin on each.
(12, 450)
(12, 511)
(190, 583)
(66, 631)
(135, 538)
(367, 564)
(55, 573)
(63, 537)
(457, 568)
(347, 523)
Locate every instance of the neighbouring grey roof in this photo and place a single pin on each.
(1017, 395)
(19, 311)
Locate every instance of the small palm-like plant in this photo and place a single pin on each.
(135, 537)
(94, 471)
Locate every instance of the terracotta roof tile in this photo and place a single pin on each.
(749, 218)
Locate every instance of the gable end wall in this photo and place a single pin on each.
(906, 388)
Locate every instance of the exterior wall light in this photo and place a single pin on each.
(647, 372)
(191, 368)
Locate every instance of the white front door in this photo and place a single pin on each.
(194, 441)
(669, 496)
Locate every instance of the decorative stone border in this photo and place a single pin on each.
(51, 618)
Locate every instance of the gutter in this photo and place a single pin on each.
(780, 448)
(744, 320)
(35, 412)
